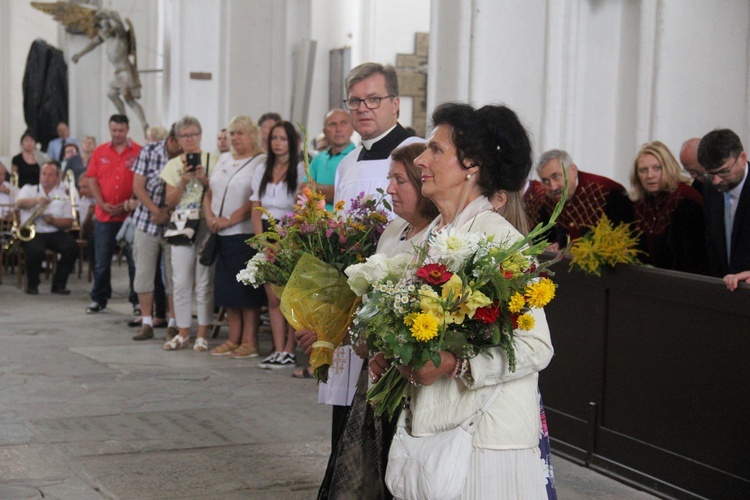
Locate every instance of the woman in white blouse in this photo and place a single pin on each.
(275, 188)
(228, 209)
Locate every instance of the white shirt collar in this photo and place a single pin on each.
(737, 190)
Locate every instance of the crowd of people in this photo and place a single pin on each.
(164, 202)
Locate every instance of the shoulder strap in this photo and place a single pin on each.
(470, 424)
(230, 180)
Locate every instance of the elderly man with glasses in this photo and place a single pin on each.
(726, 202)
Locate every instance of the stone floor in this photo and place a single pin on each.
(86, 413)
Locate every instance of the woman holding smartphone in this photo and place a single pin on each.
(186, 177)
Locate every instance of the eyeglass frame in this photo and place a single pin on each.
(723, 173)
(189, 136)
(359, 101)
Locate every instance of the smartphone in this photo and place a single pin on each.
(193, 160)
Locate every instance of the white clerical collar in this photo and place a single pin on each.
(367, 143)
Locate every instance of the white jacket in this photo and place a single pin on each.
(513, 420)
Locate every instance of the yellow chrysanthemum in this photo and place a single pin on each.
(409, 318)
(526, 321)
(339, 206)
(424, 327)
(516, 303)
(540, 293)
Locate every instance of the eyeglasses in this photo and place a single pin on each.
(188, 136)
(370, 102)
(723, 173)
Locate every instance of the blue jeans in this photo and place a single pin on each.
(104, 249)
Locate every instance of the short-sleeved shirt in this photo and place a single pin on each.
(323, 167)
(112, 171)
(276, 199)
(5, 200)
(149, 164)
(59, 207)
(235, 178)
(192, 197)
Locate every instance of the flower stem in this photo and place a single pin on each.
(386, 394)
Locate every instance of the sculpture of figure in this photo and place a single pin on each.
(106, 26)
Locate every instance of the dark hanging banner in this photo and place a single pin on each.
(45, 91)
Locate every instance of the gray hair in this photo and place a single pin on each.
(366, 70)
(188, 121)
(554, 154)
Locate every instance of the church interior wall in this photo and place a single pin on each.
(595, 78)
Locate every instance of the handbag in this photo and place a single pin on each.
(182, 228)
(433, 467)
(210, 249)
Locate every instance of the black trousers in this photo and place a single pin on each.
(60, 242)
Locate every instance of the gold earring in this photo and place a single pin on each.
(468, 177)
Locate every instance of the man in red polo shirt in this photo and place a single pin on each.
(112, 186)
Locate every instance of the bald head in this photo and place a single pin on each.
(337, 128)
(689, 158)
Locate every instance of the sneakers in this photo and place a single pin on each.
(278, 360)
(146, 332)
(95, 307)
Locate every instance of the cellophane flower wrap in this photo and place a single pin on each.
(462, 292)
(306, 253)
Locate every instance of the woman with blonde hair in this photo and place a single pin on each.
(228, 213)
(510, 205)
(668, 212)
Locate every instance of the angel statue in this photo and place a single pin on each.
(105, 26)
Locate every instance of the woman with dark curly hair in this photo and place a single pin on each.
(471, 154)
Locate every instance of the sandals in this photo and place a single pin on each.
(304, 372)
(178, 342)
(224, 349)
(200, 345)
(244, 351)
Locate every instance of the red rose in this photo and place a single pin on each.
(488, 314)
(436, 274)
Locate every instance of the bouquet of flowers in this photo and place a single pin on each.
(463, 292)
(605, 244)
(306, 253)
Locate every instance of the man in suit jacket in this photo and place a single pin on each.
(726, 202)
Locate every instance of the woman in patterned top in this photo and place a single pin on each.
(669, 213)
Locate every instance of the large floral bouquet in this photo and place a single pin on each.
(463, 292)
(304, 255)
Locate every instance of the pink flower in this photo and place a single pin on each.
(321, 204)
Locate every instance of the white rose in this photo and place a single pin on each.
(362, 276)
